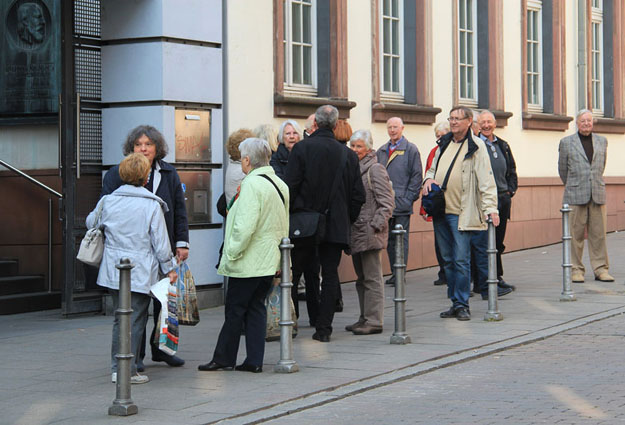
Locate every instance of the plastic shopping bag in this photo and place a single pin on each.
(188, 313)
(168, 335)
(273, 312)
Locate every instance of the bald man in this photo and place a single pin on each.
(403, 164)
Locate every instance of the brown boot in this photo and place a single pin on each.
(367, 329)
(350, 328)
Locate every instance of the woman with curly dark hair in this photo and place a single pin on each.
(163, 182)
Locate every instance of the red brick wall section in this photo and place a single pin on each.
(535, 220)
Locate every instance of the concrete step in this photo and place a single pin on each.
(22, 285)
(8, 267)
(24, 303)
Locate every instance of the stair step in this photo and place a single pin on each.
(24, 303)
(21, 284)
(8, 267)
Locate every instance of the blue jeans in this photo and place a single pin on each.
(479, 245)
(455, 248)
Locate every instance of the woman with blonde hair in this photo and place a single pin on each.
(133, 223)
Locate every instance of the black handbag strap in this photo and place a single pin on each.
(274, 185)
(337, 177)
(444, 186)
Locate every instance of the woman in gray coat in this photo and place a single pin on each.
(134, 227)
(369, 236)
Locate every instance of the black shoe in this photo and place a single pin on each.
(338, 308)
(212, 366)
(448, 314)
(440, 282)
(390, 282)
(321, 337)
(173, 361)
(500, 293)
(249, 368)
(463, 314)
(502, 284)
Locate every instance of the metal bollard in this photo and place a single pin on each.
(567, 292)
(399, 336)
(493, 314)
(286, 364)
(123, 404)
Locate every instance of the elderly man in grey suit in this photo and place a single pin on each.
(581, 164)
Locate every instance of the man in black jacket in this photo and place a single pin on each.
(310, 174)
(504, 170)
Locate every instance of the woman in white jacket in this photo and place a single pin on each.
(134, 227)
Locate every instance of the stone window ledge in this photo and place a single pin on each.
(410, 114)
(609, 125)
(302, 107)
(501, 117)
(537, 121)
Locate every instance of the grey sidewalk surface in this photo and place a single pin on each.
(57, 371)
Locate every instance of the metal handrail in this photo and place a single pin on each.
(52, 191)
(30, 179)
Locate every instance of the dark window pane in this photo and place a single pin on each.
(307, 22)
(296, 25)
(297, 64)
(307, 65)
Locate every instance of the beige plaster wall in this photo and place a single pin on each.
(250, 80)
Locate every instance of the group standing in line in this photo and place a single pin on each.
(357, 195)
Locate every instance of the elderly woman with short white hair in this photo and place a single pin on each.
(257, 222)
(369, 236)
(290, 133)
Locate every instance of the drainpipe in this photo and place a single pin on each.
(224, 103)
(581, 55)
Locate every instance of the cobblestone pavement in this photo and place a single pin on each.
(572, 378)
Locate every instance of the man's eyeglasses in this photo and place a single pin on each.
(454, 119)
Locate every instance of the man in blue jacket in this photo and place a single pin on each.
(403, 164)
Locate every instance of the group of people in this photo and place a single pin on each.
(354, 196)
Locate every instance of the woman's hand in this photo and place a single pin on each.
(173, 276)
(182, 253)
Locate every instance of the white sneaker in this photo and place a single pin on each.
(139, 379)
(135, 379)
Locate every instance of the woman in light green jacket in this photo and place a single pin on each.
(257, 222)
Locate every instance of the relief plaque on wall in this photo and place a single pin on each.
(30, 57)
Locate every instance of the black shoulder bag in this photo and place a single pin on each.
(434, 202)
(310, 226)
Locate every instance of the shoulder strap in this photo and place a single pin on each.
(98, 214)
(444, 186)
(337, 177)
(274, 185)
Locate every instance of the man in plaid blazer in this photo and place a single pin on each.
(581, 164)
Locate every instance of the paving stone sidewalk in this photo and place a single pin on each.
(56, 371)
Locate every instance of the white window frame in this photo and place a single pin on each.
(394, 96)
(289, 86)
(596, 59)
(534, 7)
(471, 99)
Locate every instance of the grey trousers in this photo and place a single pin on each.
(139, 317)
(370, 286)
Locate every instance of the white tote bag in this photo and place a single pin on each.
(92, 245)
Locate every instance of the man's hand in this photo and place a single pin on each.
(495, 218)
(427, 186)
(182, 254)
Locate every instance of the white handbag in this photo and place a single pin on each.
(92, 245)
